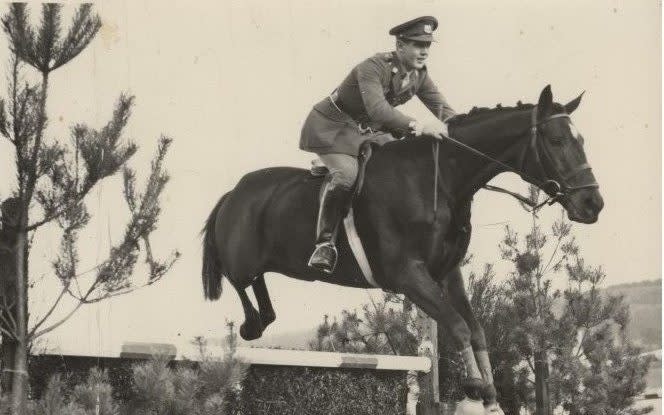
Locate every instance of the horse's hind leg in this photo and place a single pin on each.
(264, 303)
(252, 328)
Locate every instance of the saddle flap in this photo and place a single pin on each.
(366, 150)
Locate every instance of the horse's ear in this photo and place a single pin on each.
(574, 104)
(545, 103)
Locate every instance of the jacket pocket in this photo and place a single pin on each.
(319, 131)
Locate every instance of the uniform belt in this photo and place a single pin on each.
(361, 125)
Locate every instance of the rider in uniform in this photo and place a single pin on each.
(362, 108)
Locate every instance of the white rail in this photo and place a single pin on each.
(276, 357)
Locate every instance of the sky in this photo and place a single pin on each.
(232, 82)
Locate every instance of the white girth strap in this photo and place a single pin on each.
(358, 249)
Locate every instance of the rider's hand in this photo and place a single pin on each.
(446, 132)
(435, 128)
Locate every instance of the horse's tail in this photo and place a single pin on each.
(212, 272)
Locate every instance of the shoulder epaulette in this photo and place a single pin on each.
(383, 56)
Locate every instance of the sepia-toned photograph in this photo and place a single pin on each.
(365, 207)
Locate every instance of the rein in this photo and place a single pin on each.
(555, 189)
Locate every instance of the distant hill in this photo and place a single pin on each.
(298, 339)
(645, 306)
(293, 340)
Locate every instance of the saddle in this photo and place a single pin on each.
(318, 169)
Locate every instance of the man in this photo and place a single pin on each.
(362, 108)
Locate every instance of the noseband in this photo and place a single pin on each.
(556, 188)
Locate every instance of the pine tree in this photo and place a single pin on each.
(571, 343)
(202, 389)
(385, 327)
(53, 178)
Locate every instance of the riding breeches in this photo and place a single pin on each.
(343, 169)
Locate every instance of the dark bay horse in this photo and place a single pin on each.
(267, 222)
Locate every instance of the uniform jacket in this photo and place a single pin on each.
(366, 98)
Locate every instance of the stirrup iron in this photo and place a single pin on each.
(321, 261)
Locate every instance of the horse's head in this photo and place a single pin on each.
(561, 161)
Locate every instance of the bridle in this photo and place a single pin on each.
(559, 186)
(556, 188)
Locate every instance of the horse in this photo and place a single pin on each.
(412, 215)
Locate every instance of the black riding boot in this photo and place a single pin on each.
(331, 210)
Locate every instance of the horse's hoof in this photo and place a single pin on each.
(469, 407)
(250, 332)
(267, 319)
(473, 388)
(493, 409)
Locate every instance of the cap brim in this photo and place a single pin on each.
(419, 38)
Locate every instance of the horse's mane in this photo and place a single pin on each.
(477, 113)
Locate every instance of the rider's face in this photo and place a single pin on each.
(413, 53)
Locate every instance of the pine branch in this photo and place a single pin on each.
(102, 154)
(57, 211)
(7, 324)
(21, 36)
(48, 314)
(156, 273)
(65, 264)
(62, 201)
(100, 150)
(158, 269)
(4, 124)
(13, 93)
(553, 255)
(57, 324)
(129, 179)
(25, 116)
(8, 333)
(52, 159)
(121, 292)
(83, 29)
(46, 53)
(114, 273)
(112, 131)
(33, 161)
(47, 46)
(6, 316)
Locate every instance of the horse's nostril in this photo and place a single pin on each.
(594, 202)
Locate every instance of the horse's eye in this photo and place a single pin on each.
(557, 140)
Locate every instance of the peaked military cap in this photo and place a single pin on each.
(420, 29)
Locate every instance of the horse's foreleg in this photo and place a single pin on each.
(459, 300)
(264, 303)
(422, 290)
